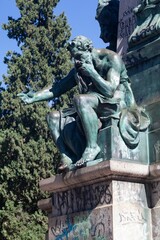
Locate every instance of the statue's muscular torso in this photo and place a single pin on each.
(105, 60)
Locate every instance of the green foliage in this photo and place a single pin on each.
(27, 151)
(19, 225)
(1, 90)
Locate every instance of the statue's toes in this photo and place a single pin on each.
(80, 163)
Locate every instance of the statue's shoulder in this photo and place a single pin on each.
(108, 54)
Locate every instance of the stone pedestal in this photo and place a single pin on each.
(113, 147)
(111, 200)
(105, 210)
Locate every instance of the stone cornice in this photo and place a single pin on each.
(106, 170)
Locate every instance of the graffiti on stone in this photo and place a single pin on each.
(131, 213)
(81, 199)
(62, 229)
(130, 193)
(134, 219)
(71, 227)
(136, 216)
(95, 225)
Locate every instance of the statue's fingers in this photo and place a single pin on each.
(21, 94)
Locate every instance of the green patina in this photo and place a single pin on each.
(104, 92)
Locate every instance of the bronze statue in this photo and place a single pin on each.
(107, 16)
(103, 84)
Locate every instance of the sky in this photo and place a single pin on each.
(80, 15)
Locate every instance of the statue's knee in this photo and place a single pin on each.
(53, 118)
(80, 101)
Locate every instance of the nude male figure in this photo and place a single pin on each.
(102, 79)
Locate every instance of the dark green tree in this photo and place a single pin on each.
(27, 151)
(1, 90)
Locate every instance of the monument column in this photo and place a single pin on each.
(142, 59)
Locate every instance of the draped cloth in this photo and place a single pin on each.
(131, 123)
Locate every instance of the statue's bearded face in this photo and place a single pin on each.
(80, 49)
(80, 44)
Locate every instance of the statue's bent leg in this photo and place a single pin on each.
(54, 121)
(86, 106)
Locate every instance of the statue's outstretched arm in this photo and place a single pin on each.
(50, 92)
(42, 95)
(65, 84)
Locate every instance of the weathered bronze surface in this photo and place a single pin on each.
(104, 93)
(107, 16)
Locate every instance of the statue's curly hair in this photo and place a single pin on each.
(82, 43)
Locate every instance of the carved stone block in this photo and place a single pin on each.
(130, 211)
(113, 146)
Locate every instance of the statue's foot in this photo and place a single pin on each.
(88, 155)
(63, 167)
(66, 163)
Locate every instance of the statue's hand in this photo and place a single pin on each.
(27, 98)
(87, 69)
